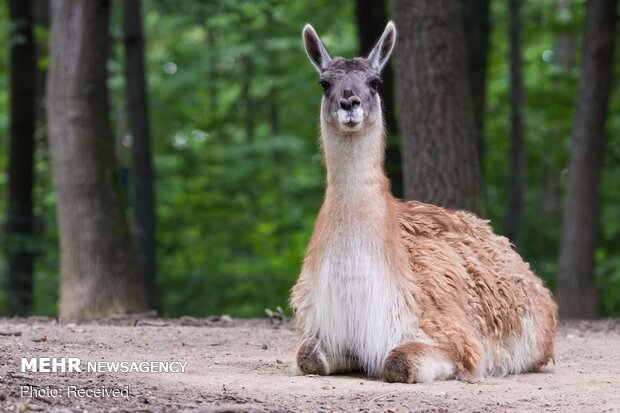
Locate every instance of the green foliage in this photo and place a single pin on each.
(239, 177)
(550, 92)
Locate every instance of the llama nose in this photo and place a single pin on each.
(349, 102)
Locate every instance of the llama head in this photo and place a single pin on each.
(350, 102)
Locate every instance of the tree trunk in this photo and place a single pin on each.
(143, 194)
(20, 216)
(440, 155)
(246, 97)
(371, 19)
(576, 283)
(476, 15)
(274, 118)
(212, 71)
(99, 268)
(517, 142)
(41, 17)
(564, 43)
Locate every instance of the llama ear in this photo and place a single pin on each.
(315, 49)
(379, 56)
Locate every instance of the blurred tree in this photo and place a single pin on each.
(516, 153)
(371, 16)
(99, 268)
(234, 217)
(564, 42)
(20, 217)
(565, 38)
(45, 242)
(440, 151)
(41, 16)
(576, 284)
(144, 221)
(476, 15)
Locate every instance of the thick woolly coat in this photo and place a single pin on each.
(380, 272)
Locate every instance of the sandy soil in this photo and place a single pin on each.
(235, 366)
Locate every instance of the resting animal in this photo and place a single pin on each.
(406, 291)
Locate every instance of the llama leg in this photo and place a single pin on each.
(312, 359)
(414, 362)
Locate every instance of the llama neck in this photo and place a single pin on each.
(355, 173)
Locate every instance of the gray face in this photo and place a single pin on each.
(350, 101)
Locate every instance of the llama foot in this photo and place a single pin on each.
(311, 359)
(417, 363)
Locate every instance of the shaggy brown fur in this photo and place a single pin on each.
(472, 282)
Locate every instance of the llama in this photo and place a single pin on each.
(405, 291)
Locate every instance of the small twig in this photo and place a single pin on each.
(21, 376)
(43, 399)
(152, 323)
(11, 333)
(379, 397)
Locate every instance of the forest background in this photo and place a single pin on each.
(237, 172)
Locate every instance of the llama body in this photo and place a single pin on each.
(404, 290)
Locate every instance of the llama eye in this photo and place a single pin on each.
(325, 85)
(374, 83)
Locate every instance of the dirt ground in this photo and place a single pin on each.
(245, 365)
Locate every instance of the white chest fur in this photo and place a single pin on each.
(356, 306)
(356, 310)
